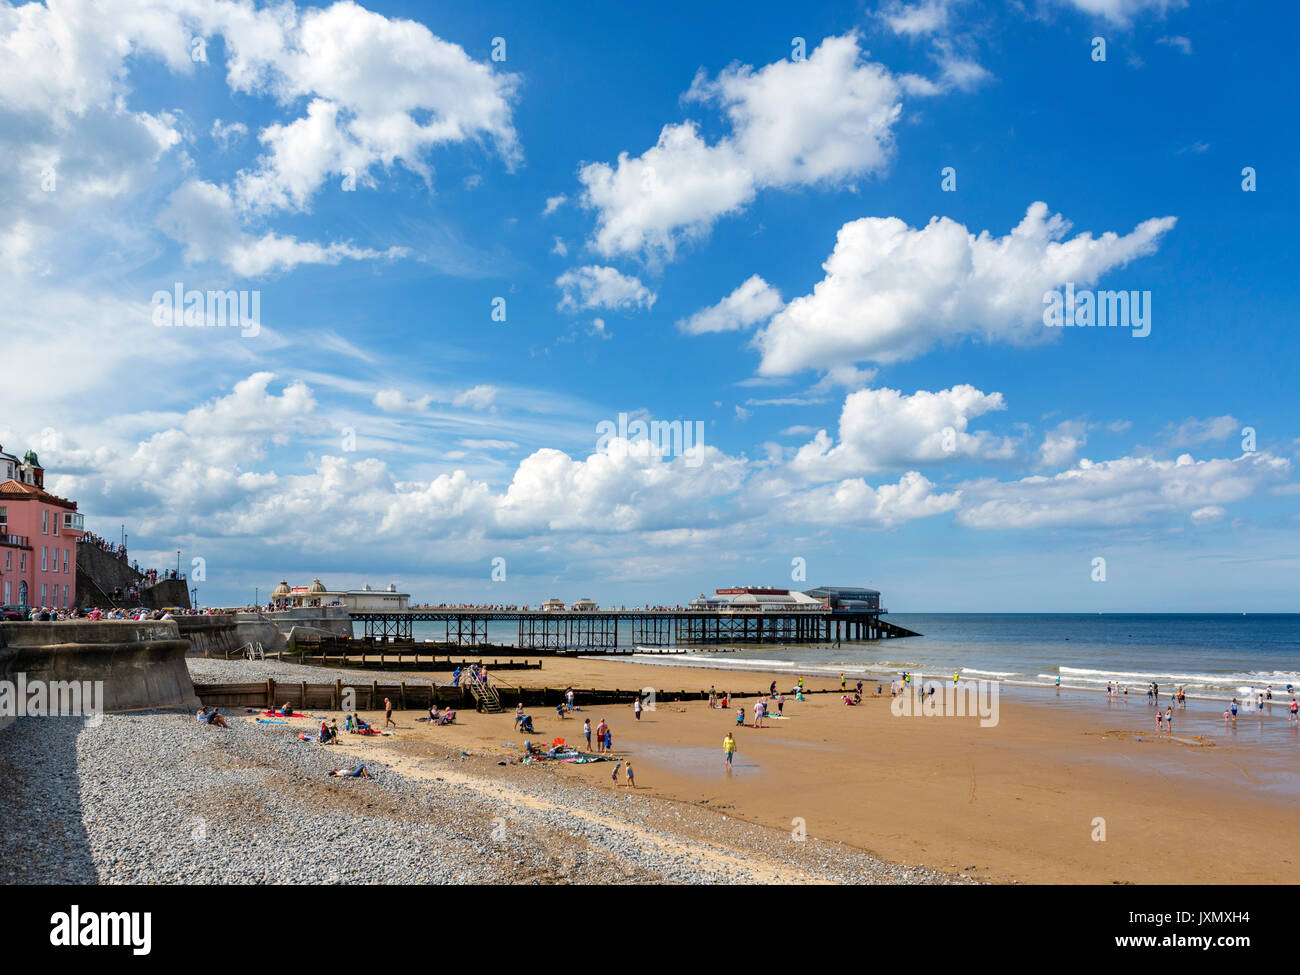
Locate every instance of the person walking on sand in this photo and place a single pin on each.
(728, 750)
(614, 777)
(586, 732)
(388, 713)
(568, 699)
(759, 710)
(843, 681)
(600, 735)
(1169, 720)
(631, 782)
(636, 708)
(1295, 711)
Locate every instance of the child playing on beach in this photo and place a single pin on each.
(740, 716)
(1169, 721)
(609, 740)
(614, 777)
(631, 782)
(1160, 720)
(1295, 712)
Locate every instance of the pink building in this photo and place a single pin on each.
(38, 538)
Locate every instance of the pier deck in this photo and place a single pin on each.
(613, 629)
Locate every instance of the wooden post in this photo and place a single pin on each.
(338, 694)
(374, 691)
(302, 695)
(270, 693)
(402, 696)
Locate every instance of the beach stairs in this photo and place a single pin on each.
(249, 651)
(486, 698)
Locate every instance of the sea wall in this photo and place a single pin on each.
(99, 573)
(272, 629)
(167, 594)
(108, 571)
(210, 636)
(141, 665)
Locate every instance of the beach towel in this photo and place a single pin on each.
(277, 714)
(265, 721)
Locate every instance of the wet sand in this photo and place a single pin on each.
(1018, 802)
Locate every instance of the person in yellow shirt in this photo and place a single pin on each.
(728, 749)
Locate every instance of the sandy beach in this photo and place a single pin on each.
(1020, 802)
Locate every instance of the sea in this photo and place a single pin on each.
(1212, 656)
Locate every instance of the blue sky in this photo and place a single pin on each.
(684, 220)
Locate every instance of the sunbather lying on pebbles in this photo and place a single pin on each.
(357, 773)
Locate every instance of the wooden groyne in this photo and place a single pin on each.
(408, 696)
(365, 655)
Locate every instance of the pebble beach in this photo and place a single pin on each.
(155, 798)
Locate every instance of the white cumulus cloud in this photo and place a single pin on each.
(891, 292)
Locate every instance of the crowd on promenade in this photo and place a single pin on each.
(149, 577)
(45, 614)
(104, 545)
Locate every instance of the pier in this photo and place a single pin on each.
(609, 630)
